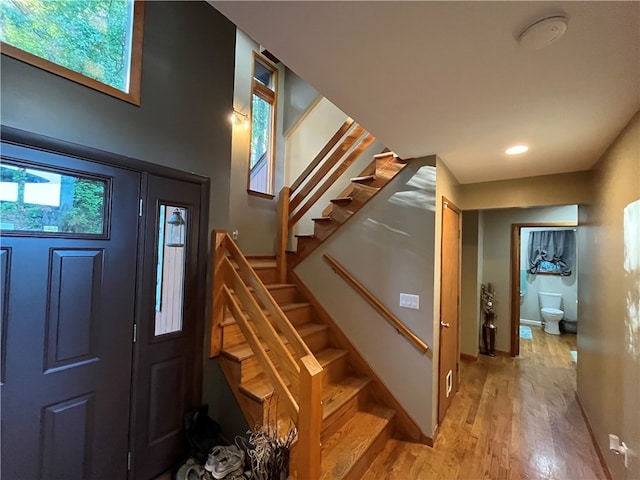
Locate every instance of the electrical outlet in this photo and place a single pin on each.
(234, 234)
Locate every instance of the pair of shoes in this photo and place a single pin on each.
(224, 460)
(190, 471)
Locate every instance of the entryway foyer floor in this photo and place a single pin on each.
(513, 418)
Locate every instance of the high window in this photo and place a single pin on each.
(263, 114)
(97, 43)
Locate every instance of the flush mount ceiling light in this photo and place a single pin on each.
(543, 32)
(516, 150)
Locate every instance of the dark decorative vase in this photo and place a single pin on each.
(489, 338)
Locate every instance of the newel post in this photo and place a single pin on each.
(218, 253)
(283, 233)
(309, 418)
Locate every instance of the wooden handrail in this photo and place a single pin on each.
(400, 327)
(298, 383)
(323, 153)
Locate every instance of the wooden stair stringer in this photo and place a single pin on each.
(408, 428)
(341, 210)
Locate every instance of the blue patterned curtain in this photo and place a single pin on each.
(554, 246)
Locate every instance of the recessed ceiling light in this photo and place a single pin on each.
(516, 150)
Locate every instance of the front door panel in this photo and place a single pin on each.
(68, 294)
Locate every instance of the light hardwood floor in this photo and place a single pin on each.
(512, 418)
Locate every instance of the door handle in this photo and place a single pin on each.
(445, 325)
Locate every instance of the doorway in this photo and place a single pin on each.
(449, 307)
(518, 289)
(95, 380)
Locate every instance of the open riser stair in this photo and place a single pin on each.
(355, 426)
(359, 191)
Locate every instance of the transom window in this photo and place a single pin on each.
(97, 43)
(263, 106)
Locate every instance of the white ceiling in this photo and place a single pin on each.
(449, 77)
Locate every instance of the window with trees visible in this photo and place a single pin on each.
(263, 113)
(49, 202)
(97, 43)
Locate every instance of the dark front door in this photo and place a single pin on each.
(168, 350)
(69, 239)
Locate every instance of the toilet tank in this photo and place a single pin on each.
(550, 300)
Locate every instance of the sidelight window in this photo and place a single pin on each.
(170, 269)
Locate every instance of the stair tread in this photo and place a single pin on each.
(243, 351)
(278, 286)
(335, 395)
(292, 306)
(260, 387)
(262, 263)
(364, 178)
(305, 235)
(343, 449)
(322, 219)
(341, 200)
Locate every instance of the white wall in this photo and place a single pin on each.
(389, 247)
(304, 142)
(567, 286)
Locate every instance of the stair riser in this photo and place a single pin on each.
(300, 315)
(317, 340)
(231, 336)
(285, 295)
(338, 418)
(369, 456)
(268, 275)
(335, 370)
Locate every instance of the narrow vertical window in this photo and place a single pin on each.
(263, 114)
(172, 223)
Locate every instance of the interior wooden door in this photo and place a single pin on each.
(69, 243)
(449, 307)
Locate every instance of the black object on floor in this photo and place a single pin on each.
(202, 433)
(569, 326)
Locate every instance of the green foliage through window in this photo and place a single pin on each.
(43, 201)
(91, 37)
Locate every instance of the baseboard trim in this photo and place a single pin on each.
(594, 440)
(532, 323)
(465, 357)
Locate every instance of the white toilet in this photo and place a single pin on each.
(550, 310)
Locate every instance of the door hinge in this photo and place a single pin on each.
(128, 461)
(140, 208)
(135, 332)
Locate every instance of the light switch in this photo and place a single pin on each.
(408, 300)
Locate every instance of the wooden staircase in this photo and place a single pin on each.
(361, 189)
(355, 426)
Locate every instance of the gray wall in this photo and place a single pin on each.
(389, 247)
(609, 292)
(496, 266)
(298, 97)
(187, 91)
